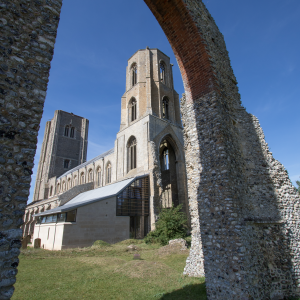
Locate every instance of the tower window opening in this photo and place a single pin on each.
(133, 109)
(134, 75)
(162, 72)
(166, 159)
(67, 130)
(165, 108)
(108, 173)
(72, 132)
(66, 163)
(132, 153)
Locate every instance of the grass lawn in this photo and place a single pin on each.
(106, 272)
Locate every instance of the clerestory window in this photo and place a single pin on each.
(99, 177)
(108, 173)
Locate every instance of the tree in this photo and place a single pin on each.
(171, 224)
(298, 188)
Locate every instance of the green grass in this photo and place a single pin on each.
(102, 272)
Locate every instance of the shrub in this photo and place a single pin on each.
(100, 243)
(171, 224)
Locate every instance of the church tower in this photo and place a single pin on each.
(149, 88)
(64, 147)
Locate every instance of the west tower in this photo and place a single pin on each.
(64, 147)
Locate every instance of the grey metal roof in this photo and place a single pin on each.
(91, 196)
(87, 163)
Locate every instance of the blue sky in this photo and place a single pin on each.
(96, 38)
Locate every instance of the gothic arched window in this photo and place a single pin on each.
(82, 178)
(131, 153)
(165, 108)
(90, 175)
(72, 132)
(58, 188)
(51, 190)
(75, 180)
(99, 177)
(69, 183)
(132, 108)
(67, 130)
(166, 159)
(108, 173)
(133, 74)
(64, 186)
(162, 69)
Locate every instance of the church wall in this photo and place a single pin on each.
(96, 221)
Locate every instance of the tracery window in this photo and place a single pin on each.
(72, 132)
(67, 130)
(165, 108)
(90, 175)
(132, 107)
(133, 74)
(66, 163)
(162, 69)
(99, 177)
(166, 160)
(131, 153)
(108, 173)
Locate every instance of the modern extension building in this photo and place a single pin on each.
(118, 194)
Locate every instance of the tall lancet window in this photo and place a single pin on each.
(132, 153)
(162, 68)
(67, 130)
(99, 177)
(132, 108)
(166, 159)
(165, 108)
(108, 173)
(134, 74)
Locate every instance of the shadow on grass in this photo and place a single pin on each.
(188, 292)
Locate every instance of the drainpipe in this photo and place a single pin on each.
(54, 236)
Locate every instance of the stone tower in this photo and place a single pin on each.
(149, 88)
(64, 147)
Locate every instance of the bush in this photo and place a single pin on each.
(171, 224)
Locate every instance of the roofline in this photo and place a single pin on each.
(48, 212)
(147, 49)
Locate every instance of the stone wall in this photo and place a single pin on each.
(28, 32)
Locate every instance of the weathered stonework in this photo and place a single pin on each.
(28, 32)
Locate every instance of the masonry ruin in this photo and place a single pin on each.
(245, 211)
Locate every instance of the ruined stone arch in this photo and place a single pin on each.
(210, 86)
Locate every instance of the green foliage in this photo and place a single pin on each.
(298, 188)
(100, 243)
(131, 242)
(171, 224)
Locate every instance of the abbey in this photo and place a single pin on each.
(118, 194)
